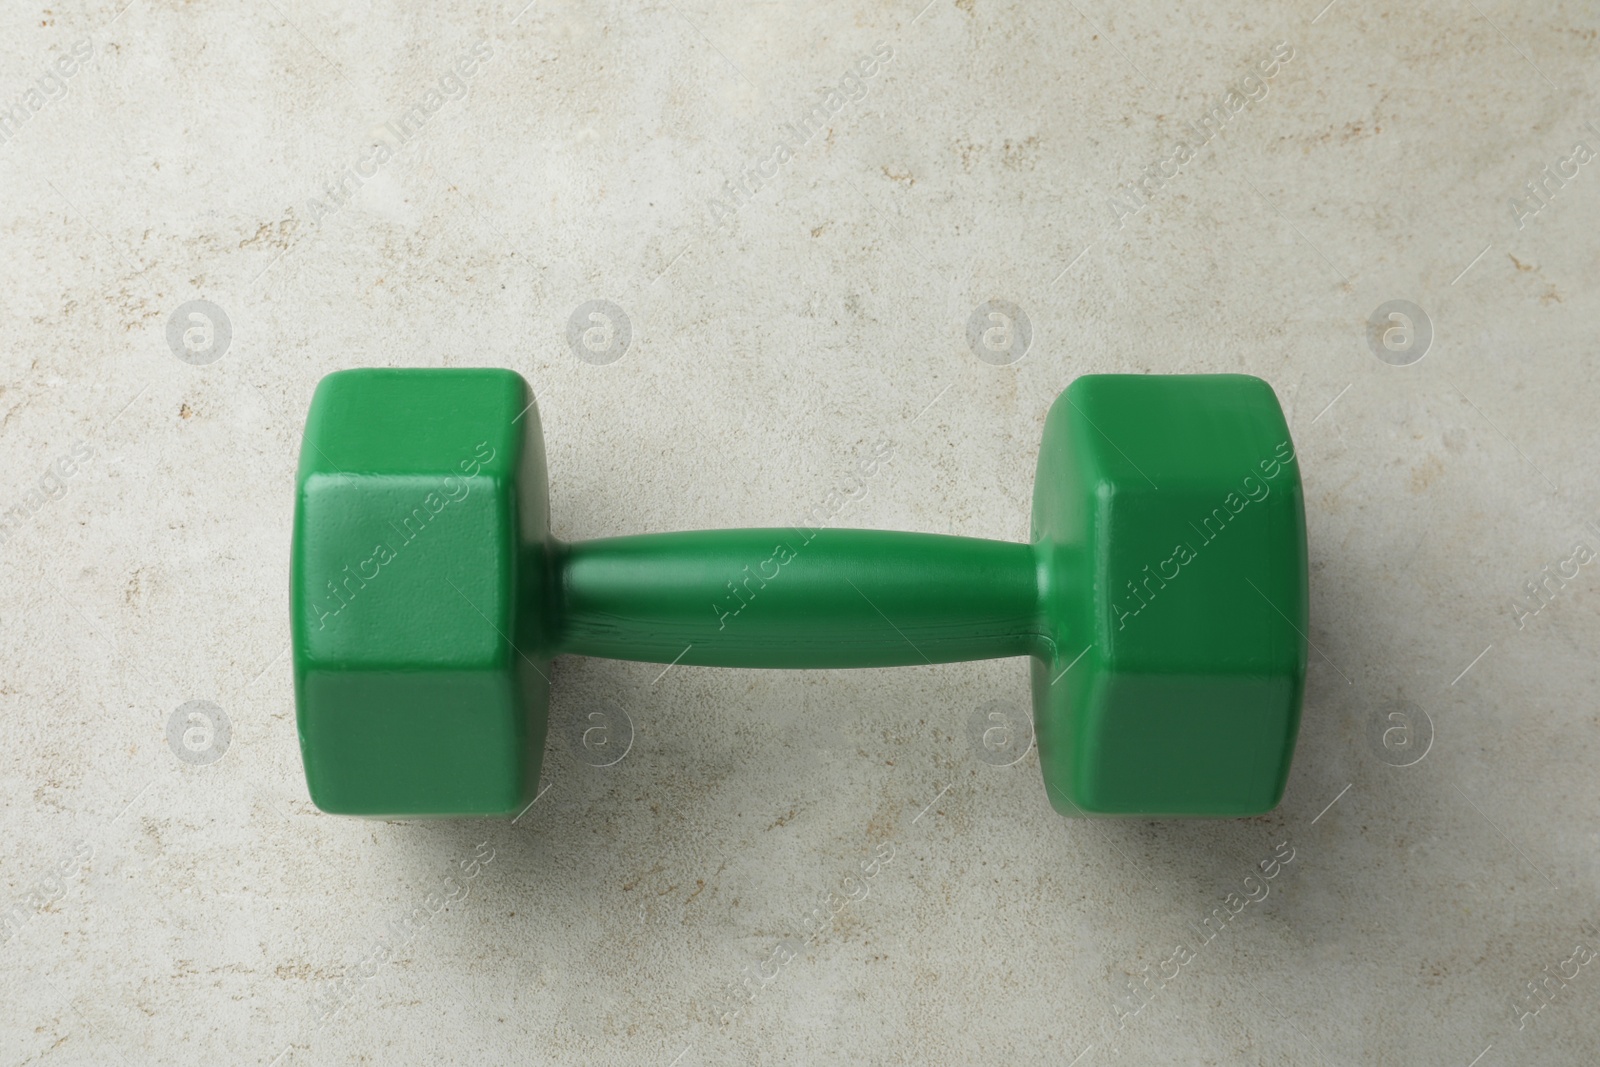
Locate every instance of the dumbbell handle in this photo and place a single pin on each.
(785, 598)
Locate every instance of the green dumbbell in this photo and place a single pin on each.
(1162, 599)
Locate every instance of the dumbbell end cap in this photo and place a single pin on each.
(420, 512)
(1171, 508)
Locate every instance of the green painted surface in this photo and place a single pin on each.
(1163, 599)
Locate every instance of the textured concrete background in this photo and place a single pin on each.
(175, 898)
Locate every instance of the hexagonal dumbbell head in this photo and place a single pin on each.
(420, 527)
(1169, 509)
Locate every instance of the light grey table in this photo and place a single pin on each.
(799, 221)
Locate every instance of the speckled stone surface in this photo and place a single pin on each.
(811, 229)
